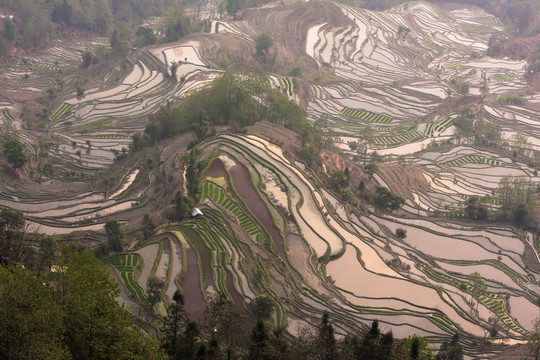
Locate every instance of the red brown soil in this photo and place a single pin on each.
(403, 179)
(520, 48)
(287, 139)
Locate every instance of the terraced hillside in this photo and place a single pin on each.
(391, 81)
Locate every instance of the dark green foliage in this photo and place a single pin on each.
(385, 199)
(115, 235)
(178, 25)
(154, 289)
(474, 209)
(259, 348)
(371, 169)
(148, 225)
(32, 317)
(263, 43)
(62, 13)
(144, 36)
(462, 87)
(96, 327)
(88, 59)
(174, 323)
(495, 44)
(517, 197)
(262, 307)
(14, 153)
(120, 37)
(373, 345)
(450, 351)
(327, 339)
(9, 30)
(237, 101)
(182, 206)
(401, 233)
(227, 324)
(13, 240)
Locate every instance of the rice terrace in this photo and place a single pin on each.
(369, 163)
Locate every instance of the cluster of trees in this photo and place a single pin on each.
(515, 199)
(224, 336)
(462, 87)
(35, 21)
(233, 7)
(70, 313)
(235, 100)
(14, 153)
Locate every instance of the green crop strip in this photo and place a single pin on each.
(7, 114)
(366, 115)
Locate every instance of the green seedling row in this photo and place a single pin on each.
(64, 109)
(366, 115)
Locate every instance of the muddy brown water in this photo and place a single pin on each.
(191, 287)
(244, 187)
(216, 169)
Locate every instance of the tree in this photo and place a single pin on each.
(386, 199)
(263, 43)
(154, 289)
(262, 307)
(478, 287)
(47, 251)
(227, 324)
(178, 25)
(174, 323)
(144, 36)
(327, 339)
(174, 68)
(401, 233)
(371, 169)
(182, 206)
(450, 351)
(115, 235)
(233, 6)
(32, 318)
(9, 30)
(13, 239)
(96, 326)
(14, 153)
(148, 225)
(88, 59)
(120, 37)
(534, 340)
(414, 347)
(260, 338)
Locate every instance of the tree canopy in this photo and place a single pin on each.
(14, 153)
(68, 315)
